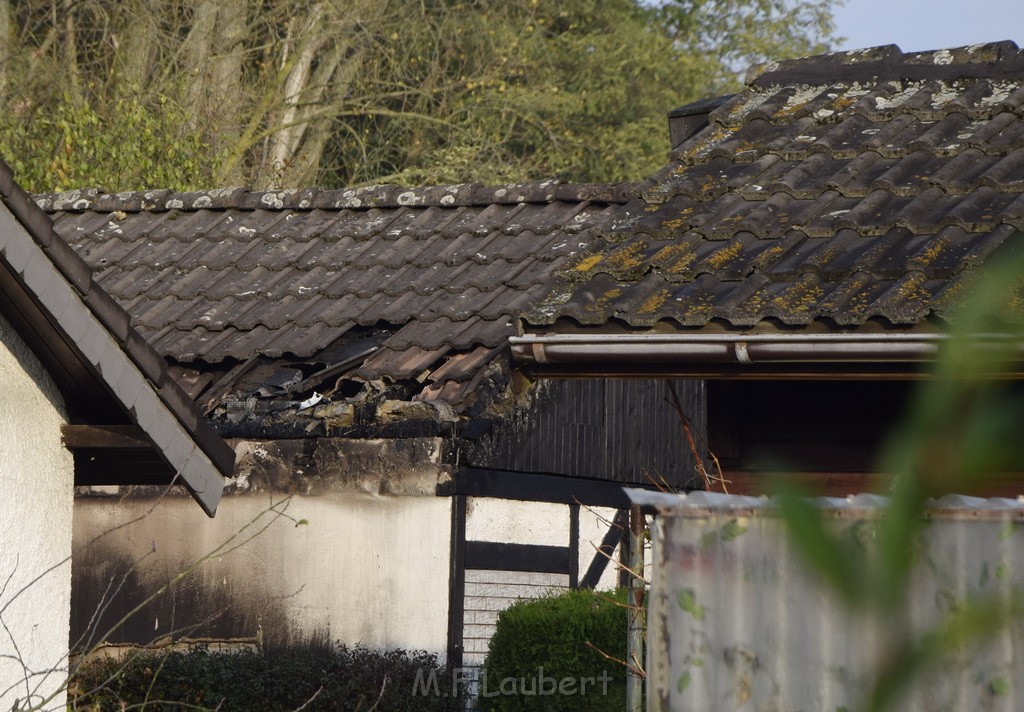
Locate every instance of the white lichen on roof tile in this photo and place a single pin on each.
(409, 197)
(274, 199)
(947, 92)
(736, 111)
(905, 92)
(803, 94)
(1000, 92)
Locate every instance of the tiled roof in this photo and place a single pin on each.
(839, 189)
(104, 369)
(433, 272)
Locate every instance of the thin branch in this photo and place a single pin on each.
(687, 424)
(308, 702)
(632, 668)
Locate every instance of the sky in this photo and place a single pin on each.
(917, 25)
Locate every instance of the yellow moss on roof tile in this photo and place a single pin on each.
(626, 258)
(801, 297)
(587, 263)
(934, 250)
(676, 258)
(776, 249)
(911, 290)
(654, 302)
(706, 143)
(600, 305)
(720, 258)
(680, 221)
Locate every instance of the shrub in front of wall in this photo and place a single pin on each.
(542, 657)
(281, 678)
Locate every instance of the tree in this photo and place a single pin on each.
(288, 93)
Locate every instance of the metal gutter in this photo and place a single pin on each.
(743, 349)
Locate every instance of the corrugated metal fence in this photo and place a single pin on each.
(736, 622)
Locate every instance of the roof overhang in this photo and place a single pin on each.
(738, 355)
(107, 374)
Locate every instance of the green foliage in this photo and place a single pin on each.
(963, 429)
(126, 143)
(556, 639)
(288, 93)
(285, 678)
(579, 90)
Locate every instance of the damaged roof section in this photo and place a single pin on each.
(293, 297)
(845, 190)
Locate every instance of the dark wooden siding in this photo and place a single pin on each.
(622, 430)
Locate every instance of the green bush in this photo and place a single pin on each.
(545, 643)
(273, 680)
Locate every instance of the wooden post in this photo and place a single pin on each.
(637, 615)
(457, 582)
(574, 546)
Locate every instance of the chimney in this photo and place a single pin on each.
(687, 120)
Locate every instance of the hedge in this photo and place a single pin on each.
(272, 680)
(544, 655)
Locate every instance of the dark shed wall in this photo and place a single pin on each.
(804, 426)
(608, 428)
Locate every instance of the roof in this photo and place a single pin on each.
(105, 370)
(431, 278)
(840, 191)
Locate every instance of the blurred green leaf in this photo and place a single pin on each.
(970, 623)
(820, 548)
(688, 602)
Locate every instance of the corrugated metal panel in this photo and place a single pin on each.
(624, 430)
(736, 622)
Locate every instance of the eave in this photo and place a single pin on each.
(107, 374)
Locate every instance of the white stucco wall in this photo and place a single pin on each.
(543, 523)
(362, 569)
(367, 569)
(36, 492)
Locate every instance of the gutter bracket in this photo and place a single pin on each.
(742, 354)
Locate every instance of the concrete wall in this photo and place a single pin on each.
(36, 489)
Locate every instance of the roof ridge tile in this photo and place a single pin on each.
(365, 197)
(990, 60)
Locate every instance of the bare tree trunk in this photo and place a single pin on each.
(322, 62)
(195, 53)
(6, 38)
(212, 59)
(307, 143)
(298, 63)
(70, 52)
(137, 50)
(228, 85)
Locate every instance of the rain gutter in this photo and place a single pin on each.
(745, 349)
